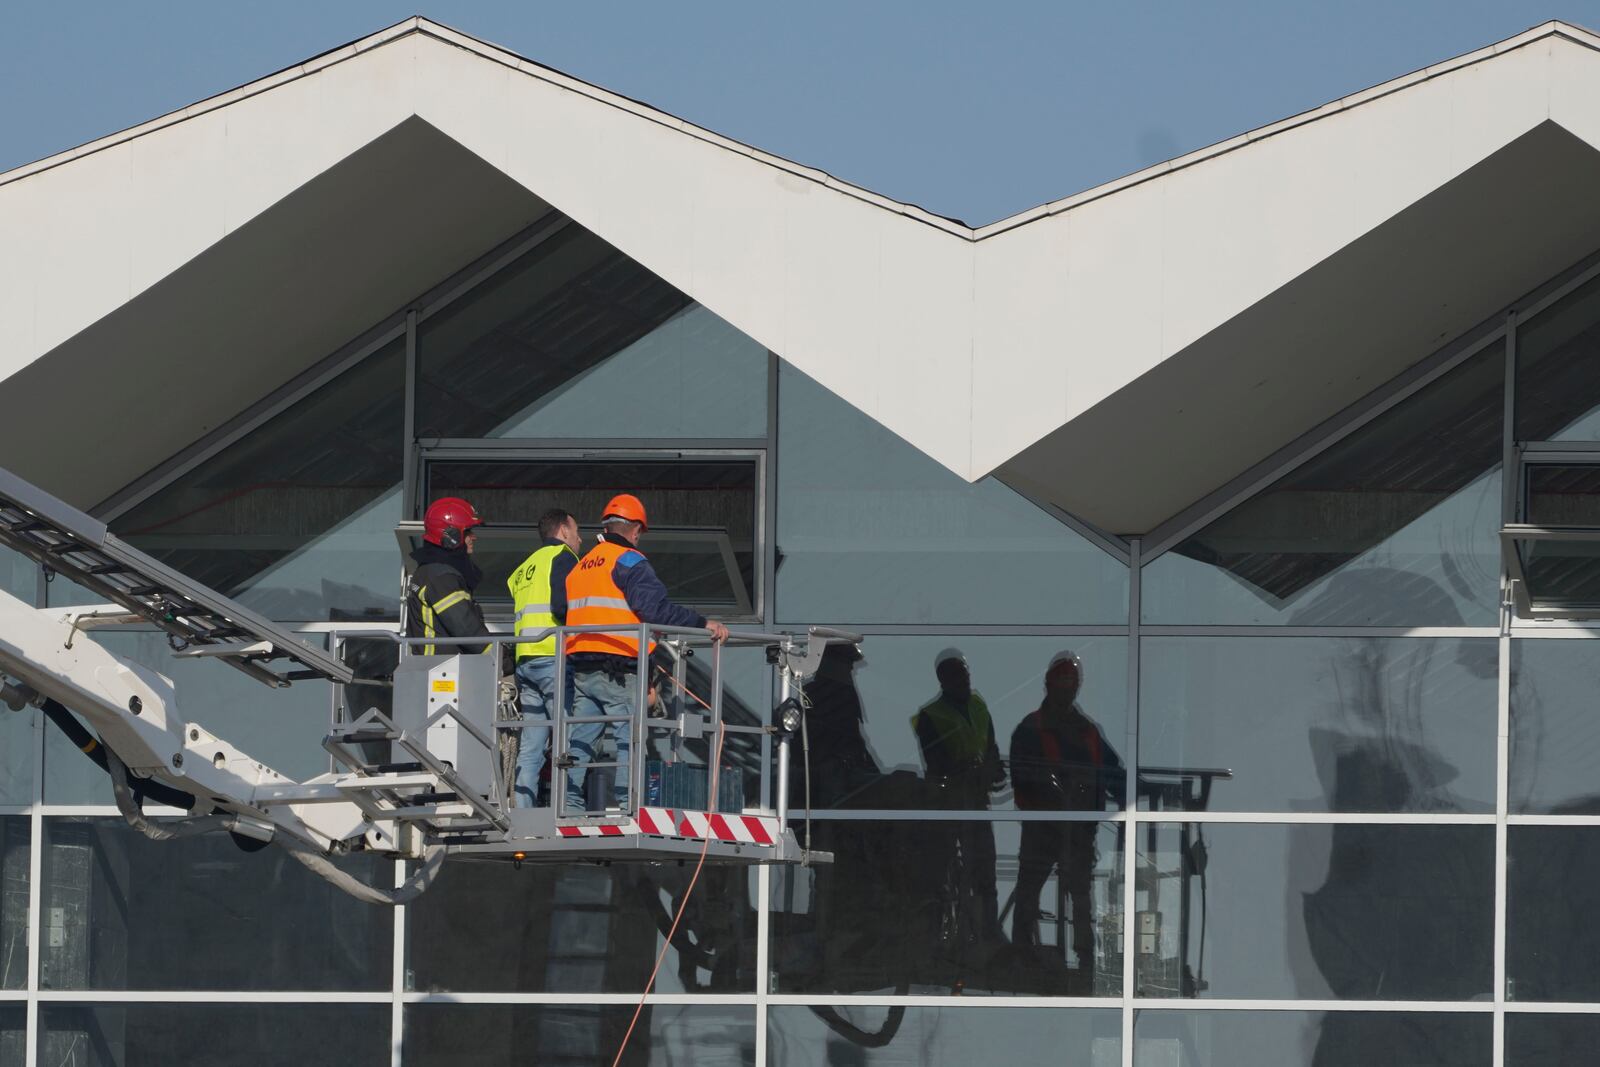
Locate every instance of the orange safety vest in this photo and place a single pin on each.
(595, 599)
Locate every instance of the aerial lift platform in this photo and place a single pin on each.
(429, 778)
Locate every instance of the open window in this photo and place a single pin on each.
(704, 511)
(1553, 554)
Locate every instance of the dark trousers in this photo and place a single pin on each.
(1068, 848)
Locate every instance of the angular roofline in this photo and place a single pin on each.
(418, 24)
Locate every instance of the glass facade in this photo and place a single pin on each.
(1253, 807)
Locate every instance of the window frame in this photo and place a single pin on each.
(755, 452)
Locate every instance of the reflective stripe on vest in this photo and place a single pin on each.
(965, 739)
(595, 599)
(530, 594)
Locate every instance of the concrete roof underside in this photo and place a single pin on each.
(1122, 353)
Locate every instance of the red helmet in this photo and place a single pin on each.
(626, 506)
(447, 521)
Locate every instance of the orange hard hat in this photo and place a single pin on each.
(626, 506)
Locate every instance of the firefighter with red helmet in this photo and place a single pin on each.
(439, 592)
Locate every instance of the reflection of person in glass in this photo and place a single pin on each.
(1061, 761)
(956, 736)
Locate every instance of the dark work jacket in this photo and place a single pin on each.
(439, 577)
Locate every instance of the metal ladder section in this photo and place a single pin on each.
(200, 621)
(421, 790)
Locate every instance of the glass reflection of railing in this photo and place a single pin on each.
(1163, 973)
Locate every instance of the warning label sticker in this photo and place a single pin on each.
(444, 685)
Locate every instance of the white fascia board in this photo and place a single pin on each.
(874, 303)
(1162, 263)
(970, 344)
(84, 238)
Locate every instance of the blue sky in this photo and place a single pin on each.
(975, 110)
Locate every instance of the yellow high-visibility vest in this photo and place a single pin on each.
(530, 595)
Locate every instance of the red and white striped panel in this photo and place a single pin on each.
(697, 825)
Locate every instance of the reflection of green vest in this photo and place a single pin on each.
(530, 594)
(964, 739)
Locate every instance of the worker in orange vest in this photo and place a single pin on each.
(614, 585)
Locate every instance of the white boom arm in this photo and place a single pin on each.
(132, 708)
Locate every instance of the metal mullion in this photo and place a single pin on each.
(1132, 815)
(1322, 818)
(1534, 819)
(1172, 630)
(569, 999)
(210, 996)
(1549, 1007)
(763, 958)
(1501, 832)
(397, 973)
(956, 815)
(1554, 629)
(491, 448)
(935, 1000)
(1510, 497)
(31, 1036)
(408, 443)
(1456, 1007)
(878, 629)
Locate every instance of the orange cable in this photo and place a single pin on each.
(705, 847)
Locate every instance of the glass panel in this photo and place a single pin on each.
(1536, 1040)
(1553, 885)
(199, 913)
(1312, 1039)
(575, 339)
(702, 510)
(1557, 399)
(942, 1037)
(17, 741)
(1317, 912)
(15, 836)
(1396, 525)
(470, 1035)
(282, 728)
(217, 1035)
(872, 530)
(19, 576)
(13, 1035)
(885, 734)
(1561, 573)
(1555, 732)
(574, 928)
(1317, 724)
(1037, 909)
(1563, 494)
(296, 519)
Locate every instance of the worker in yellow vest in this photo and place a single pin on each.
(615, 585)
(956, 735)
(539, 597)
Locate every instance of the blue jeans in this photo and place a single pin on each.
(536, 687)
(599, 693)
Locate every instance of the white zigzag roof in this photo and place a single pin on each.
(1121, 352)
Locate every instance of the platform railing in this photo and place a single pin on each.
(637, 721)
